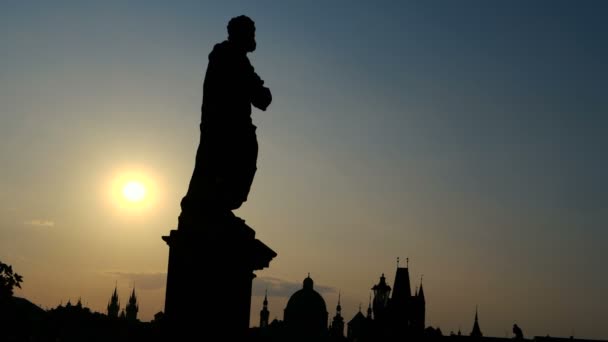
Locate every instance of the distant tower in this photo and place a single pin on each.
(476, 330)
(381, 298)
(400, 305)
(264, 313)
(337, 326)
(419, 307)
(114, 305)
(132, 307)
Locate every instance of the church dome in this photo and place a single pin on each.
(306, 311)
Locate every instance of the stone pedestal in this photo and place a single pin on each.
(209, 279)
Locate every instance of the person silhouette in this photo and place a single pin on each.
(226, 159)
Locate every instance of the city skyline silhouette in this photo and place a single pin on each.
(466, 137)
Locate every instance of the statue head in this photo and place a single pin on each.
(241, 31)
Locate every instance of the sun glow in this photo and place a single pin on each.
(133, 191)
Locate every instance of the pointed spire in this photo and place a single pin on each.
(338, 307)
(421, 291)
(397, 263)
(264, 313)
(476, 332)
(114, 304)
(407, 262)
(132, 307)
(265, 298)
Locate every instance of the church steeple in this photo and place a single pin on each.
(264, 313)
(421, 291)
(418, 307)
(476, 330)
(337, 325)
(114, 305)
(132, 307)
(339, 307)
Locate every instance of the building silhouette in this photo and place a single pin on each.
(132, 307)
(336, 328)
(476, 332)
(381, 298)
(113, 305)
(357, 327)
(305, 315)
(264, 313)
(398, 315)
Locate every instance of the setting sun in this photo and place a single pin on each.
(134, 191)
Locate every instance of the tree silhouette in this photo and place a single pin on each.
(8, 280)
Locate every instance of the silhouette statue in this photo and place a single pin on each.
(519, 334)
(212, 249)
(227, 154)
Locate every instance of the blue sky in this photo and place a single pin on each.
(469, 136)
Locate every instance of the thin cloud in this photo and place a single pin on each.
(39, 223)
(283, 288)
(143, 281)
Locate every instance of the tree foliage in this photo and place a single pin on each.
(8, 280)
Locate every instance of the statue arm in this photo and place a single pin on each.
(261, 97)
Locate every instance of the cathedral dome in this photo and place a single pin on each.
(306, 311)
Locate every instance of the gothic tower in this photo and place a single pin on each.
(264, 313)
(132, 307)
(113, 305)
(476, 332)
(337, 325)
(400, 305)
(419, 310)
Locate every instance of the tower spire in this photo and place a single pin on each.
(114, 304)
(265, 297)
(476, 332)
(132, 307)
(420, 290)
(264, 313)
(336, 328)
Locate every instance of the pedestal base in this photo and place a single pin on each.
(209, 279)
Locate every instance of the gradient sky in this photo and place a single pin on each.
(469, 136)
